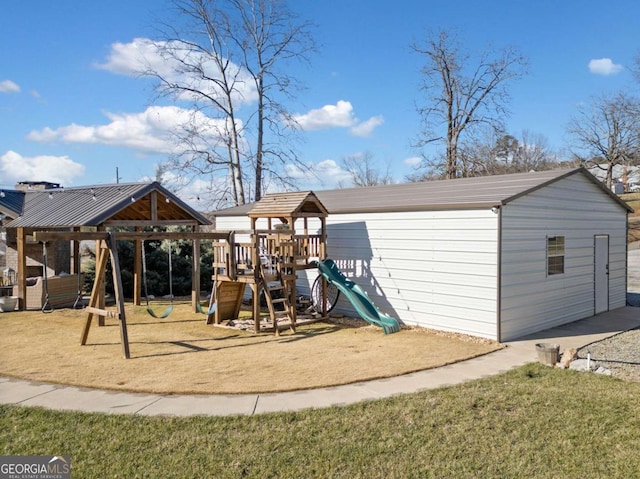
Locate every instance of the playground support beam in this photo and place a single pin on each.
(137, 237)
(195, 272)
(22, 268)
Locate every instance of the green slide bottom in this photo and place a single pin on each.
(358, 298)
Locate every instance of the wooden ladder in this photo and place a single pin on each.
(280, 306)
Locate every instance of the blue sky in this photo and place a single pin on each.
(67, 115)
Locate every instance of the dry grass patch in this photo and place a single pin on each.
(181, 354)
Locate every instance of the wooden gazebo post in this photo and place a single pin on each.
(255, 285)
(22, 268)
(137, 269)
(195, 272)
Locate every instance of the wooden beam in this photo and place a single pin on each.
(94, 300)
(255, 293)
(195, 273)
(117, 286)
(137, 271)
(154, 206)
(129, 235)
(76, 263)
(22, 268)
(101, 312)
(102, 292)
(108, 251)
(150, 223)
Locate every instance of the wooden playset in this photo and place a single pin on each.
(266, 260)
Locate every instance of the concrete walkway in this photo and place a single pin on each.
(517, 353)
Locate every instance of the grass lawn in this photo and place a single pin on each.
(530, 422)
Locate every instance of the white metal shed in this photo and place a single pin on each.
(497, 257)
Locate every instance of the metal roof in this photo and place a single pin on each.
(477, 192)
(94, 205)
(11, 203)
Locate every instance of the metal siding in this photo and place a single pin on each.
(435, 269)
(575, 208)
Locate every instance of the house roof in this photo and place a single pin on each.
(477, 192)
(11, 203)
(123, 203)
(291, 205)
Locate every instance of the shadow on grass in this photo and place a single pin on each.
(307, 334)
(191, 346)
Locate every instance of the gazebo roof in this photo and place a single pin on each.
(11, 203)
(289, 205)
(123, 204)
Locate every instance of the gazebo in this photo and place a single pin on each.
(87, 208)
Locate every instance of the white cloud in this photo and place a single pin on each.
(325, 174)
(7, 86)
(329, 116)
(144, 55)
(151, 131)
(57, 169)
(340, 115)
(604, 66)
(413, 161)
(366, 127)
(133, 58)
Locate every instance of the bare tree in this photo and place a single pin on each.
(461, 96)
(606, 132)
(229, 60)
(507, 154)
(364, 171)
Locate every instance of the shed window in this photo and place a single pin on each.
(555, 255)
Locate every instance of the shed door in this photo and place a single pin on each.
(601, 283)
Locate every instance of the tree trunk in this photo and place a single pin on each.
(260, 140)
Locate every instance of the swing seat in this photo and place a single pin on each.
(151, 312)
(211, 310)
(164, 315)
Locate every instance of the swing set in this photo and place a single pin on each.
(106, 250)
(267, 263)
(169, 310)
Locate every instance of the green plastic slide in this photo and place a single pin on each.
(358, 298)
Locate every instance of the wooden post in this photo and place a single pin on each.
(75, 267)
(231, 257)
(117, 286)
(255, 291)
(257, 285)
(137, 270)
(108, 250)
(22, 268)
(195, 273)
(98, 283)
(101, 292)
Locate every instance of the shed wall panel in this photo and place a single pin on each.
(578, 210)
(436, 269)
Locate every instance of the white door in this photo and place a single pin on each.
(601, 272)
